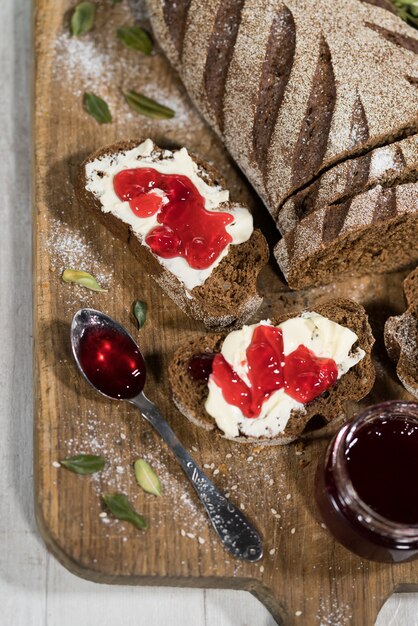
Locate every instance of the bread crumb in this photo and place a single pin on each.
(261, 568)
(201, 540)
(195, 449)
(250, 458)
(122, 436)
(234, 487)
(191, 535)
(56, 464)
(273, 511)
(103, 514)
(288, 496)
(215, 472)
(119, 469)
(206, 465)
(183, 533)
(272, 551)
(293, 531)
(298, 613)
(228, 456)
(242, 507)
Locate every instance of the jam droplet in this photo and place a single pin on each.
(200, 366)
(112, 362)
(302, 374)
(187, 229)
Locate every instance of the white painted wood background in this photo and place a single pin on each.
(35, 590)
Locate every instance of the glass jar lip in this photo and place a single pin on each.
(365, 514)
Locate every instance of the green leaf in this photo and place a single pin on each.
(82, 19)
(97, 108)
(84, 463)
(407, 10)
(147, 478)
(139, 310)
(146, 106)
(81, 278)
(120, 507)
(135, 38)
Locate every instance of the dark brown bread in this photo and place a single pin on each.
(387, 166)
(375, 232)
(229, 296)
(294, 87)
(401, 337)
(189, 395)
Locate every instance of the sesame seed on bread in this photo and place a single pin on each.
(189, 395)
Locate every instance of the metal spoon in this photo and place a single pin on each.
(236, 533)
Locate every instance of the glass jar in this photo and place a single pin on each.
(375, 455)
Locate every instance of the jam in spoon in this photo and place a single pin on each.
(112, 363)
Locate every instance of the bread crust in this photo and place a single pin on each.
(401, 337)
(229, 296)
(189, 396)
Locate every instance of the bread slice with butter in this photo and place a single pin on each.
(401, 337)
(221, 293)
(191, 395)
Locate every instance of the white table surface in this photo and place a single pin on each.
(35, 590)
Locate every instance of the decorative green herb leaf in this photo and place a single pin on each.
(146, 106)
(135, 38)
(82, 19)
(81, 278)
(97, 108)
(140, 312)
(407, 10)
(84, 463)
(120, 507)
(147, 478)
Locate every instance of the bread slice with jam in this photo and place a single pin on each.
(174, 214)
(401, 337)
(192, 366)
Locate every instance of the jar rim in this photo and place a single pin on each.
(364, 513)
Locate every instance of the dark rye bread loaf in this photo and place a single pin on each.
(189, 395)
(374, 232)
(401, 337)
(387, 166)
(294, 87)
(229, 296)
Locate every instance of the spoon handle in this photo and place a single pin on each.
(238, 536)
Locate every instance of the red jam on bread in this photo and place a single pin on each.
(186, 229)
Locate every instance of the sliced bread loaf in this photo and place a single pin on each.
(376, 231)
(190, 394)
(294, 87)
(221, 291)
(401, 337)
(387, 166)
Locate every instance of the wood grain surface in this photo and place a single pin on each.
(304, 575)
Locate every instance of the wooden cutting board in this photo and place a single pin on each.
(305, 577)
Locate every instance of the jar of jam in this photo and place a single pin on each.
(367, 485)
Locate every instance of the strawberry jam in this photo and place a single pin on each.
(367, 486)
(112, 362)
(186, 229)
(302, 374)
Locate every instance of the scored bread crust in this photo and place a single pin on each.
(374, 232)
(388, 166)
(293, 87)
(401, 337)
(189, 396)
(229, 296)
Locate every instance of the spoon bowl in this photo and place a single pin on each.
(112, 363)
